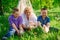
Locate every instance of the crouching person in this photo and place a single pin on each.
(44, 20)
(29, 19)
(15, 22)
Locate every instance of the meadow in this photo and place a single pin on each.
(34, 34)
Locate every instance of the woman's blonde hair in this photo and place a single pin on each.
(28, 8)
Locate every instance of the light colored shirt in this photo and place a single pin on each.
(32, 18)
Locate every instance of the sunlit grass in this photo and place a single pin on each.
(35, 34)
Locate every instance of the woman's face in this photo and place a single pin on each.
(27, 12)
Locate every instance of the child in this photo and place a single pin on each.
(29, 20)
(15, 22)
(44, 20)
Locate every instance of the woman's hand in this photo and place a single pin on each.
(31, 23)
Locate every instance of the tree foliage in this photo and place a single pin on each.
(37, 4)
(9, 4)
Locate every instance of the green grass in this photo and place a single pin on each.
(35, 34)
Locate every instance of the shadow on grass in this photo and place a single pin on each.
(53, 29)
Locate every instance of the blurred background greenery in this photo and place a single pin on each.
(52, 5)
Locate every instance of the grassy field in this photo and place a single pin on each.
(35, 34)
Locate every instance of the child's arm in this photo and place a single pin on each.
(48, 24)
(14, 26)
(20, 27)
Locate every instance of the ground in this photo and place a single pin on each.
(35, 34)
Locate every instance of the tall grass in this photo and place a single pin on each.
(34, 34)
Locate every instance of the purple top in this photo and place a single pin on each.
(16, 21)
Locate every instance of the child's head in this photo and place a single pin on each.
(16, 12)
(44, 12)
(27, 11)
